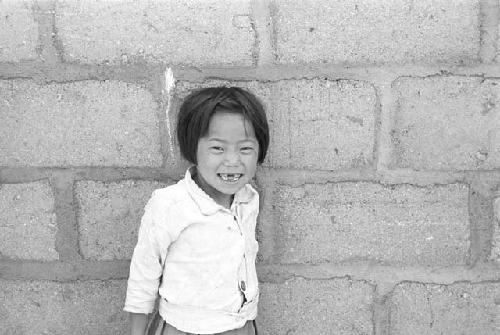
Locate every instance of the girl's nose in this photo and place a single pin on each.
(232, 158)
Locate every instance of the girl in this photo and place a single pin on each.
(196, 246)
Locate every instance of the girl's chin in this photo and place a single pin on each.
(230, 188)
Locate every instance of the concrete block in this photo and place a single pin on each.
(188, 32)
(18, 31)
(44, 307)
(367, 32)
(314, 124)
(28, 225)
(464, 308)
(447, 123)
(328, 125)
(87, 123)
(299, 306)
(349, 221)
(109, 216)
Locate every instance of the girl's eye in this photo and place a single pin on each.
(216, 149)
(247, 150)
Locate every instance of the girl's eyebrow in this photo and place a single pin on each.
(216, 139)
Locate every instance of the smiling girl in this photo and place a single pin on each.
(196, 247)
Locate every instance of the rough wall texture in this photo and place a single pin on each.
(378, 192)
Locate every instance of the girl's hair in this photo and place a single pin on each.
(198, 108)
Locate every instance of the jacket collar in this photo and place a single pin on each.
(206, 204)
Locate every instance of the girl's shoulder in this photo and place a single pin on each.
(170, 197)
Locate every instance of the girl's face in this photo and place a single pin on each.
(227, 156)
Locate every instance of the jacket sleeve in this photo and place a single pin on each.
(146, 265)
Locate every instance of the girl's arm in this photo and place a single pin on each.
(146, 266)
(138, 323)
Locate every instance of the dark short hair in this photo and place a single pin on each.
(199, 107)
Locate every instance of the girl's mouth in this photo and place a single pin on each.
(230, 177)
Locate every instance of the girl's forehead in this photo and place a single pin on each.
(225, 123)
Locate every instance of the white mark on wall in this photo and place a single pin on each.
(169, 88)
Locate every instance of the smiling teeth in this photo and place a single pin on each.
(231, 177)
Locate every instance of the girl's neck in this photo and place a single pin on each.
(225, 200)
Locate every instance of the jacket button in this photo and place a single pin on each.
(243, 286)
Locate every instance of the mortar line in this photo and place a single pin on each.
(473, 254)
(289, 176)
(64, 271)
(255, 25)
(268, 229)
(44, 14)
(261, 16)
(138, 73)
(279, 72)
(488, 30)
(381, 313)
(13, 175)
(29, 174)
(480, 249)
(273, 12)
(389, 317)
(417, 178)
(67, 236)
(385, 118)
(387, 276)
(374, 315)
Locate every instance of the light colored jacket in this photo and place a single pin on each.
(204, 255)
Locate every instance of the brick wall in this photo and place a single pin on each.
(377, 195)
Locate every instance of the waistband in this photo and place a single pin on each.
(197, 320)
